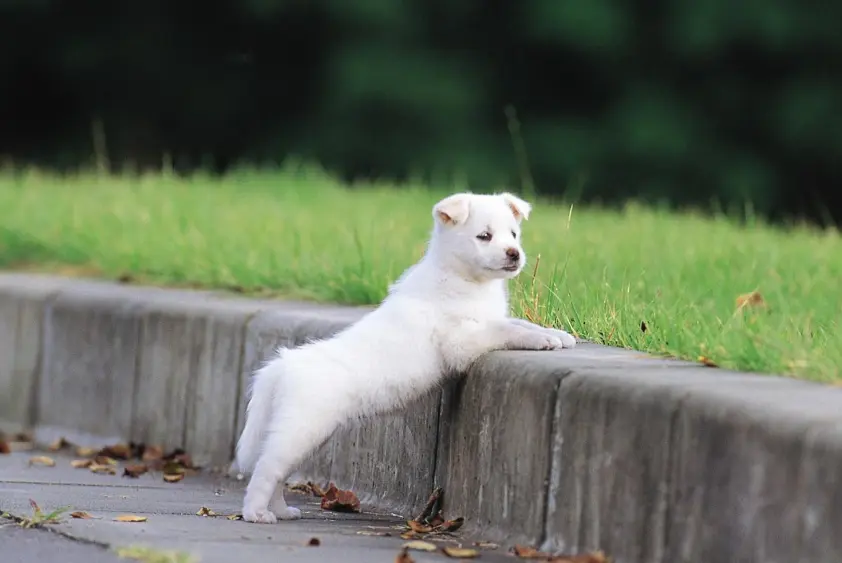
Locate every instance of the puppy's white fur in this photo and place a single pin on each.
(444, 312)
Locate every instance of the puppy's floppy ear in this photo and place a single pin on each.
(453, 209)
(519, 208)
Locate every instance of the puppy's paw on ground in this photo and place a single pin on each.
(259, 516)
(288, 513)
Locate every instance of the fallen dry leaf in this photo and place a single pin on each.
(85, 452)
(317, 490)
(117, 451)
(314, 542)
(419, 545)
(373, 533)
(527, 552)
(404, 557)
(152, 453)
(59, 444)
(753, 299)
(103, 469)
(81, 463)
(432, 508)
(460, 552)
(42, 460)
(705, 361)
(450, 525)
(234, 517)
(131, 518)
(418, 527)
(100, 459)
(409, 535)
(173, 477)
(81, 515)
(338, 500)
(205, 511)
(135, 470)
(4, 447)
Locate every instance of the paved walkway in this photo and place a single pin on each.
(172, 522)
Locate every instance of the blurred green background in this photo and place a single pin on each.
(704, 103)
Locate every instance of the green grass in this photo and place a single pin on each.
(298, 233)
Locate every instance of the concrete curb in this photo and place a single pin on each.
(647, 459)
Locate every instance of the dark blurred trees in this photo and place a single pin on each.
(689, 102)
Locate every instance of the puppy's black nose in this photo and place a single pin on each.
(513, 254)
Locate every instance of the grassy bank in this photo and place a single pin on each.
(643, 279)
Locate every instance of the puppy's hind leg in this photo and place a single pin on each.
(294, 432)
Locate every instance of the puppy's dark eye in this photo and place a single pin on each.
(514, 234)
(484, 236)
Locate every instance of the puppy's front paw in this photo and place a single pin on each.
(540, 341)
(567, 339)
(259, 516)
(288, 513)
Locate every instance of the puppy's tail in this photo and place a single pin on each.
(264, 385)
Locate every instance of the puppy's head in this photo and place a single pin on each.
(480, 234)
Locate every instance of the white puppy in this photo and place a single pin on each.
(443, 313)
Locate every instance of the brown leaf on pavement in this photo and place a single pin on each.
(104, 460)
(173, 477)
(102, 469)
(404, 557)
(460, 552)
(234, 517)
(450, 525)
(152, 453)
(42, 460)
(338, 500)
(131, 518)
(135, 470)
(205, 511)
(59, 444)
(418, 527)
(81, 463)
(82, 451)
(432, 508)
(419, 545)
(81, 515)
(117, 451)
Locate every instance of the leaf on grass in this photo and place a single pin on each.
(81, 515)
(130, 518)
(753, 299)
(705, 361)
(205, 511)
(404, 557)
(460, 552)
(117, 451)
(4, 447)
(81, 463)
(419, 545)
(42, 460)
(173, 477)
(135, 470)
(103, 469)
(314, 542)
(59, 444)
(338, 500)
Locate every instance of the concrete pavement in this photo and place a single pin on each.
(172, 522)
